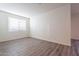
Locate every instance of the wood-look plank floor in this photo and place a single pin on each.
(35, 47)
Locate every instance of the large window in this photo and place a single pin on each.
(15, 24)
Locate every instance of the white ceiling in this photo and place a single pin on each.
(29, 9)
(75, 8)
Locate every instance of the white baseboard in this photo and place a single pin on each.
(52, 41)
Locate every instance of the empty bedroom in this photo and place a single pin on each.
(35, 29)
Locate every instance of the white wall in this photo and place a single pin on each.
(53, 26)
(4, 34)
(3, 27)
(75, 26)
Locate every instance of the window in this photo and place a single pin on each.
(15, 24)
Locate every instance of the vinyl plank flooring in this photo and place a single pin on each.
(68, 51)
(36, 47)
(64, 51)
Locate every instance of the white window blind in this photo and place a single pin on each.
(15, 24)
